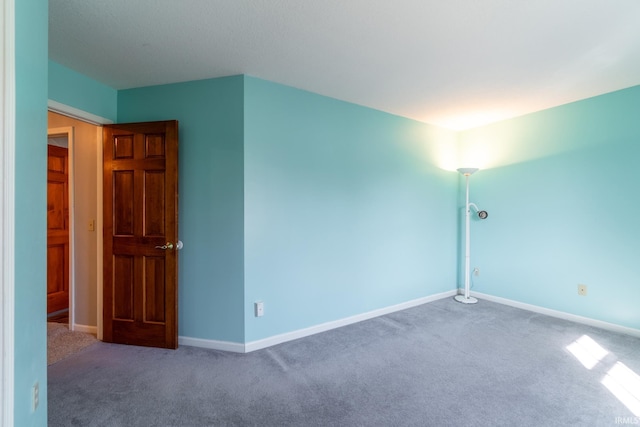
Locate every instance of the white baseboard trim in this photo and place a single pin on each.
(85, 328)
(323, 327)
(301, 333)
(234, 347)
(560, 314)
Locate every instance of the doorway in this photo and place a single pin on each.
(86, 188)
(84, 142)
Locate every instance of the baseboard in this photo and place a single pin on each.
(233, 347)
(301, 333)
(85, 328)
(560, 314)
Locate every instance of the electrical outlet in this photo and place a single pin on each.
(92, 225)
(35, 398)
(476, 271)
(259, 308)
(582, 290)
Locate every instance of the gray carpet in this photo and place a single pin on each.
(439, 364)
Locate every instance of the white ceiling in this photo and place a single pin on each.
(453, 63)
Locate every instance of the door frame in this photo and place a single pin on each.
(7, 210)
(75, 113)
(68, 132)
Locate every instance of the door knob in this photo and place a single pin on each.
(166, 246)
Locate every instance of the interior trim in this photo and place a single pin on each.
(560, 314)
(7, 210)
(75, 113)
(233, 347)
(93, 330)
(305, 332)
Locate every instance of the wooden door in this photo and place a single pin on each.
(57, 229)
(140, 301)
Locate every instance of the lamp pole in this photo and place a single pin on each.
(466, 298)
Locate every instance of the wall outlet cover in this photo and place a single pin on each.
(582, 290)
(259, 308)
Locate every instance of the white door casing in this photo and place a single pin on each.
(7, 207)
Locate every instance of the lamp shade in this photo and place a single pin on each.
(467, 171)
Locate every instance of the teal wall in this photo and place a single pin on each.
(79, 91)
(287, 197)
(346, 209)
(561, 188)
(30, 351)
(324, 210)
(210, 115)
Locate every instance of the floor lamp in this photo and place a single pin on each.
(466, 299)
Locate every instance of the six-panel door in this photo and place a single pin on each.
(141, 234)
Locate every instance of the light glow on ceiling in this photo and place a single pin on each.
(470, 120)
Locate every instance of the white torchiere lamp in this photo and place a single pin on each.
(466, 299)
